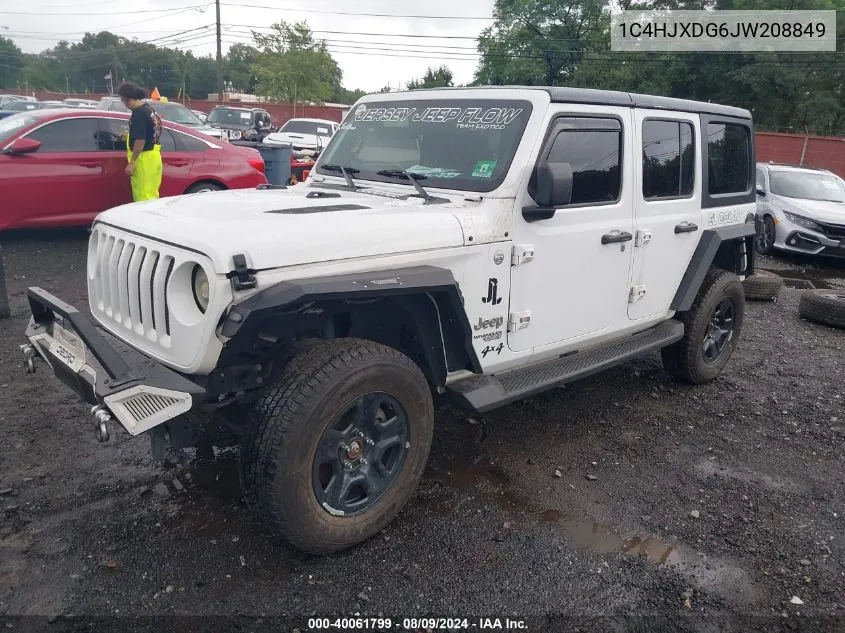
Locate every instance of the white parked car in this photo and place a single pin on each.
(304, 134)
(800, 209)
(483, 243)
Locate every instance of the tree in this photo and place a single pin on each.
(239, 64)
(566, 42)
(433, 78)
(293, 66)
(11, 63)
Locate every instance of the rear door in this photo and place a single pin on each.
(667, 207)
(62, 179)
(112, 142)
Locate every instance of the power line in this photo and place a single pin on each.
(200, 8)
(368, 15)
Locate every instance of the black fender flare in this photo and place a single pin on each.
(723, 246)
(429, 293)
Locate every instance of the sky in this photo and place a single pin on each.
(373, 51)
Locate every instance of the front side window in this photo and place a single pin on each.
(11, 124)
(593, 148)
(668, 159)
(761, 180)
(460, 144)
(728, 158)
(68, 135)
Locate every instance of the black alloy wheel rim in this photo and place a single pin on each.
(720, 331)
(766, 235)
(361, 453)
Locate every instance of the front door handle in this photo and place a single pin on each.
(176, 162)
(686, 227)
(91, 164)
(615, 237)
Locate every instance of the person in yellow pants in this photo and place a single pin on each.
(143, 148)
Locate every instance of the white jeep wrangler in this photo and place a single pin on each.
(488, 243)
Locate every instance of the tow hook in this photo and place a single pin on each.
(29, 355)
(101, 419)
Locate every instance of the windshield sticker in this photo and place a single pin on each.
(484, 169)
(464, 118)
(246, 115)
(434, 172)
(322, 130)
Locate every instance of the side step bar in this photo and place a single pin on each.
(483, 393)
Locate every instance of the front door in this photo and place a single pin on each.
(62, 183)
(576, 286)
(667, 207)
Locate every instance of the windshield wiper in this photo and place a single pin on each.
(410, 176)
(346, 171)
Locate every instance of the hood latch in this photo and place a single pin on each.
(242, 277)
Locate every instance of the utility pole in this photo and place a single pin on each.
(219, 58)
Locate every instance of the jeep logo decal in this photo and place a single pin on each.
(486, 324)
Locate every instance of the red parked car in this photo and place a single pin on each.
(63, 167)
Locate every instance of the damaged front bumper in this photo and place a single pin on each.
(118, 380)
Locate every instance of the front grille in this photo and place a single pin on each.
(833, 231)
(129, 284)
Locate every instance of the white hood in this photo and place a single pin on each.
(821, 210)
(257, 223)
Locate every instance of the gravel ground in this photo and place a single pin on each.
(625, 496)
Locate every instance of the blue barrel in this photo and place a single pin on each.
(276, 163)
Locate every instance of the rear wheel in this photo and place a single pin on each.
(711, 330)
(204, 187)
(338, 446)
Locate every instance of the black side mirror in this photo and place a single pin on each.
(553, 189)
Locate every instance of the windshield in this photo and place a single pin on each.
(230, 116)
(456, 143)
(21, 106)
(176, 113)
(807, 186)
(307, 127)
(10, 125)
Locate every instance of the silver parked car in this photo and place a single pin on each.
(800, 209)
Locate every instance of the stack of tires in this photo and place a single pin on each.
(826, 307)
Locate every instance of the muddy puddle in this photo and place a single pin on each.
(470, 470)
(811, 277)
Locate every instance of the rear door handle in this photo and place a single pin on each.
(686, 227)
(91, 164)
(614, 237)
(176, 162)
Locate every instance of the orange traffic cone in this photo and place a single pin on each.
(155, 94)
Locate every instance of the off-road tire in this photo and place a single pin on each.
(289, 421)
(684, 360)
(823, 306)
(762, 286)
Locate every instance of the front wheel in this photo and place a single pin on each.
(766, 235)
(338, 446)
(711, 330)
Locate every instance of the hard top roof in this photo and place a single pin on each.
(625, 99)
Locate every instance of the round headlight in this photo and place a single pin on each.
(235, 134)
(199, 281)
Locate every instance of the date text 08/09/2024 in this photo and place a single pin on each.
(416, 624)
